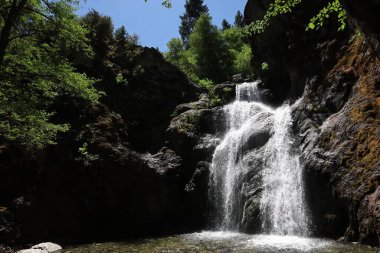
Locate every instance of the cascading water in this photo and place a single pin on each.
(282, 203)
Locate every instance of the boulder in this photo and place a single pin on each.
(46, 247)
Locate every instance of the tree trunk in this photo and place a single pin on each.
(12, 16)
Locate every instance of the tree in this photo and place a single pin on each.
(241, 52)
(225, 25)
(175, 51)
(193, 10)
(212, 57)
(100, 32)
(37, 38)
(8, 21)
(125, 49)
(239, 20)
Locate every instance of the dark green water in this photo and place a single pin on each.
(223, 242)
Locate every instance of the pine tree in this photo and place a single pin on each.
(193, 10)
(100, 32)
(225, 25)
(125, 49)
(239, 20)
(212, 57)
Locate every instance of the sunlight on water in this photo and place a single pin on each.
(223, 242)
(277, 242)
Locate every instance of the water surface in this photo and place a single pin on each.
(223, 242)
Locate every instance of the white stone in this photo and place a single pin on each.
(32, 251)
(46, 247)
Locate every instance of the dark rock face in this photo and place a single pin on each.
(291, 54)
(134, 165)
(148, 99)
(337, 118)
(339, 131)
(366, 16)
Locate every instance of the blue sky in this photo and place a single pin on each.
(154, 24)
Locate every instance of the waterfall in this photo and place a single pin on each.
(282, 204)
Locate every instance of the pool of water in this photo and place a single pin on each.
(223, 242)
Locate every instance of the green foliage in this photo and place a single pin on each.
(175, 51)
(85, 155)
(358, 33)
(212, 57)
(239, 20)
(280, 7)
(23, 120)
(240, 51)
(215, 101)
(265, 66)
(36, 70)
(333, 7)
(242, 60)
(276, 8)
(208, 84)
(227, 90)
(121, 80)
(193, 10)
(125, 49)
(166, 3)
(100, 32)
(225, 25)
(234, 38)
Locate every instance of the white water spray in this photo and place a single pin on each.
(282, 205)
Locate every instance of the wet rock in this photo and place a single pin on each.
(338, 138)
(225, 92)
(251, 190)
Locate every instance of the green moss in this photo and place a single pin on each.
(188, 121)
(227, 90)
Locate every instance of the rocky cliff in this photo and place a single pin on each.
(133, 165)
(336, 75)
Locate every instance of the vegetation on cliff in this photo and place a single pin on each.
(37, 40)
(207, 54)
(49, 54)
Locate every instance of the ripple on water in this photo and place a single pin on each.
(223, 242)
(277, 242)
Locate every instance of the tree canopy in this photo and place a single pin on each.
(213, 55)
(37, 39)
(193, 10)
